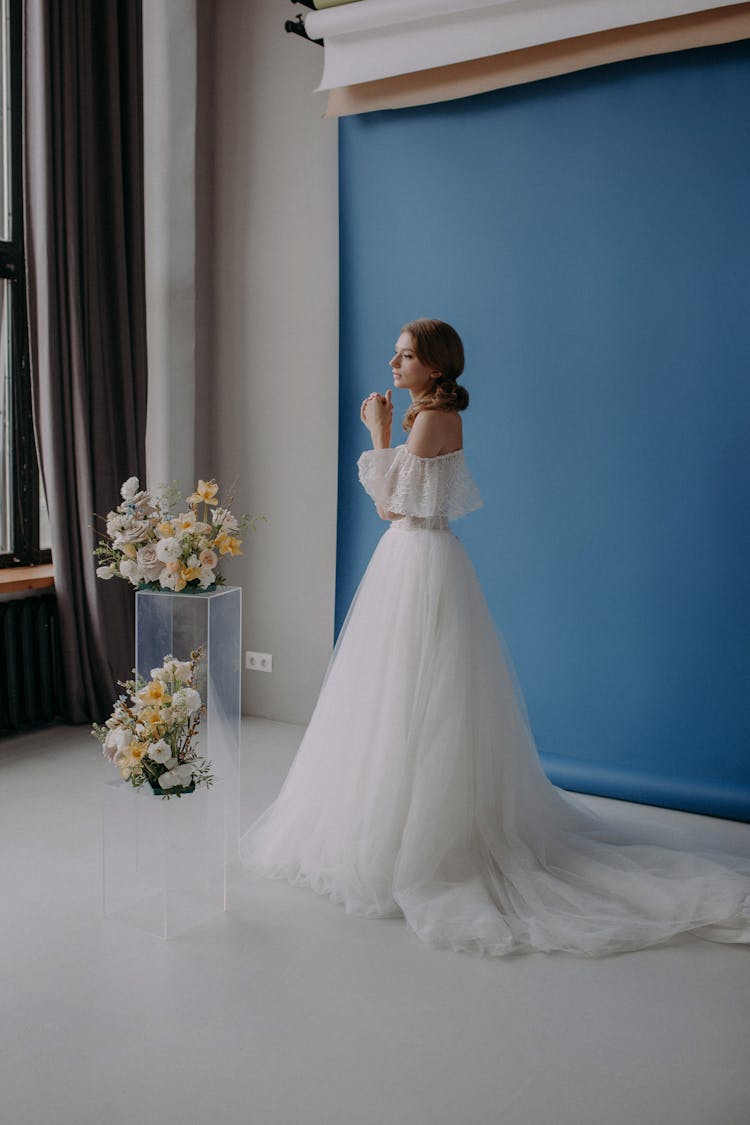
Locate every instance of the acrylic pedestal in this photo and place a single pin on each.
(164, 860)
(177, 624)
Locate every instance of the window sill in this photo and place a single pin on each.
(15, 579)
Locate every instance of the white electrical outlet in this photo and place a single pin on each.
(259, 661)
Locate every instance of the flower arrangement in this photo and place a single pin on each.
(154, 546)
(151, 733)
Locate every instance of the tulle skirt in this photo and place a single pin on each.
(417, 791)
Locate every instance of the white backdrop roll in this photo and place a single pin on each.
(375, 39)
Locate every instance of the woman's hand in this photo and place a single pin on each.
(377, 415)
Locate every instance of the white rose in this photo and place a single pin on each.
(129, 488)
(149, 563)
(168, 581)
(183, 670)
(188, 698)
(129, 569)
(159, 751)
(168, 550)
(105, 572)
(134, 532)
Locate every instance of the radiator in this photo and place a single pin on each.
(31, 691)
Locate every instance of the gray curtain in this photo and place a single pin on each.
(83, 227)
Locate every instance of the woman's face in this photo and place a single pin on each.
(409, 373)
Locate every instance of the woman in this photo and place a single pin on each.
(417, 789)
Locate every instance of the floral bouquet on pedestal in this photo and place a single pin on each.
(154, 546)
(151, 733)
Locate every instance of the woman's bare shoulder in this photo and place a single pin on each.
(435, 432)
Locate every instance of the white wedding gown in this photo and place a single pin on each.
(417, 789)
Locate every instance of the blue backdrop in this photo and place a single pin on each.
(588, 236)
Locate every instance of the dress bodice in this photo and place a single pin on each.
(421, 523)
(426, 491)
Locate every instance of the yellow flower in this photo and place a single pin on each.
(205, 492)
(189, 573)
(180, 583)
(128, 761)
(129, 550)
(184, 523)
(153, 692)
(165, 530)
(228, 544)
(151, 716)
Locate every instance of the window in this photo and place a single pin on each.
(24, 528)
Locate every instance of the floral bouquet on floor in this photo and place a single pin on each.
(151, 733)
(154, 546)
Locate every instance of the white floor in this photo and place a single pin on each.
(285, 1011)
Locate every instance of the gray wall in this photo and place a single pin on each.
(265, 397)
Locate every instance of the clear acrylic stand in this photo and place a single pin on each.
(164, 860)
(178, 624)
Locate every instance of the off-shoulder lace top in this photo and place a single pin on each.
(432, 488)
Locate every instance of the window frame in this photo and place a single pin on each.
(24, 464)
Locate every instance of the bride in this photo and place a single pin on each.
(417, 789)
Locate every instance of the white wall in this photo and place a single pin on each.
(273, 220)
(169, 93)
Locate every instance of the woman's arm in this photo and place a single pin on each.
(377, 415)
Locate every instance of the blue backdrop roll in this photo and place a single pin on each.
(588, 237)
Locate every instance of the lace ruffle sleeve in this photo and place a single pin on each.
(400, 482)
